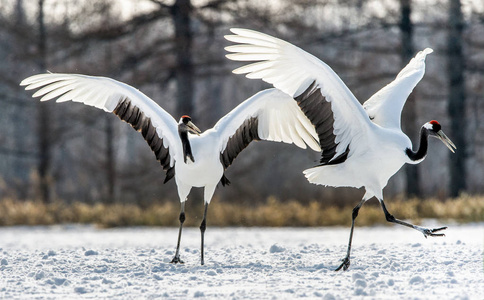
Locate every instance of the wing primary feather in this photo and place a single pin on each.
(250, 49)
(253, 67)
(128, 103)
(251, 56)
(248, 40)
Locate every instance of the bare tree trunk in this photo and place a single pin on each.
(181, 11)
(457, 97)
(110, 151)
(19, 13)
(110, 161)
(43, 125)
(409, 114)
(19, 127)
(184, 73)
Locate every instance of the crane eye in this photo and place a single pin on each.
(185, 119)
(436, 127)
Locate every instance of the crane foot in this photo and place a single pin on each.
(431, 232)
(345, 264)
(177, 260)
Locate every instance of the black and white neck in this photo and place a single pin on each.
(185, 126)
(187, 149)
(419, 155)
(432, 128)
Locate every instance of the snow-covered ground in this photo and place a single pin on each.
(65, 262)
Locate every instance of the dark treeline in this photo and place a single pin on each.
(173, 52)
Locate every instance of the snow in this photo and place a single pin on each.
(70, 262)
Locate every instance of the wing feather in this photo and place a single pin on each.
(268, 115)
(157, 126)
(294, 71)
(385, 106)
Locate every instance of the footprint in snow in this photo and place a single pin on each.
(276, 249)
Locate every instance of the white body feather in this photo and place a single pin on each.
(369, 169)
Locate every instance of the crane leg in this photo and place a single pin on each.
(346, 261)
(176, 259)
(203, 227)
(426, 232)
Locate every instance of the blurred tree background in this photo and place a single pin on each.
(173, 51)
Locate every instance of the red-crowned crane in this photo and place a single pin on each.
(362, 145)
(194, 158)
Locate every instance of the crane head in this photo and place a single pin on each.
(435, 129)
(186, 124)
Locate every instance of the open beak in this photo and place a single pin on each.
(441, 135)
(194, 129)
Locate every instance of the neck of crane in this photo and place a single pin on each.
(419, 155)
(187, 149)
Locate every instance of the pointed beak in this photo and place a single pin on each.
(193, 129)
(441, 135)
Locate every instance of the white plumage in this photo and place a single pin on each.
(195, 159)
(385, 107)
(362, 145)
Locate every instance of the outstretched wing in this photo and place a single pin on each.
(385, 107)
(268, 115)
(334, 111)
(157, 126)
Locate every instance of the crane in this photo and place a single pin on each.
(192, 157)
(362, 145)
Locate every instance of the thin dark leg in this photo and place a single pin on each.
(346, 261)
(203, 227)
(426, 232)
(176, 258)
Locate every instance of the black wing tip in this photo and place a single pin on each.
(170, 173)
(225, 181)
(326, 161)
